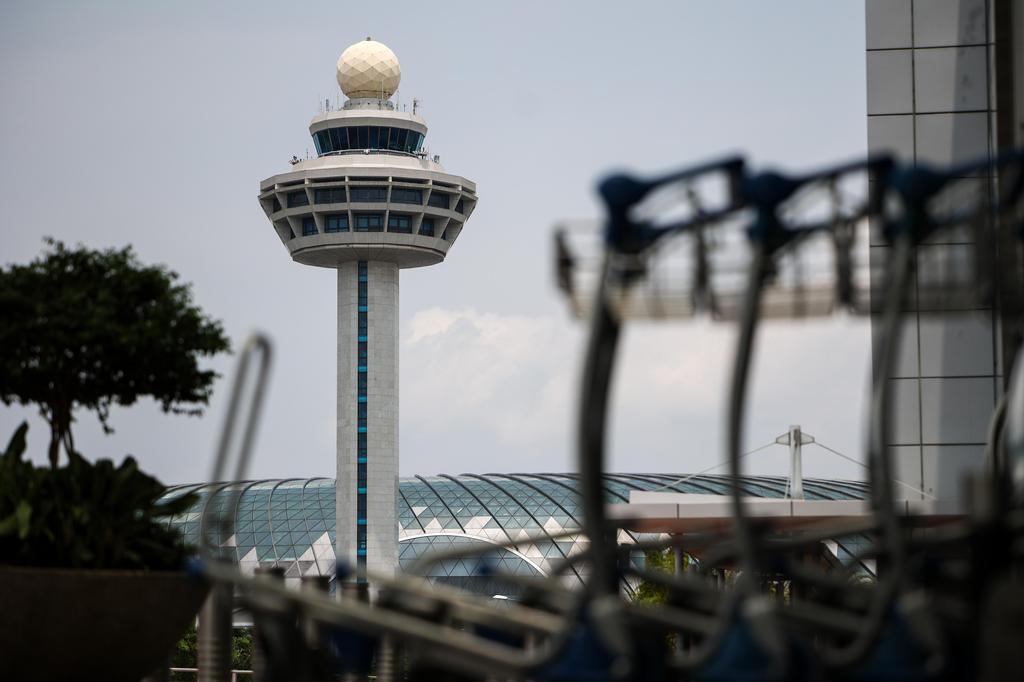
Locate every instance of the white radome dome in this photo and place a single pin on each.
(368, 69)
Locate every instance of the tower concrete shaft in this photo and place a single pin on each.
(367, 445)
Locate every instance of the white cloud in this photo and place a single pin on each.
(508, 384)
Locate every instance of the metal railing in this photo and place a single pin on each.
(754, 246)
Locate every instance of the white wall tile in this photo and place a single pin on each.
(949, 22)
(890, 86)
(956, 344)
(947, 275)
(906, 412)
(956, 410)
(893, 135)
(950, 79)
(957, 197)
(906, 468)
(945, 139)
(887, 23)
(945, 466)
(906, 365)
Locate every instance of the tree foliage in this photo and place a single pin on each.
(85, 515)
(187, 653)
(662, 561)
(84, 328)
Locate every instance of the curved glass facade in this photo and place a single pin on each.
(383, 138)
(291, 523)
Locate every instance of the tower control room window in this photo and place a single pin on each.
(400, 223)
(402, 195)
(398, 139)
(369, 222)
(427, 227)
(336, 223)
(308, 226)
(440, 200)
(329, 195)
(299, 198)
(369, 193)
(359, 138)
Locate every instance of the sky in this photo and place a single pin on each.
(152, 124)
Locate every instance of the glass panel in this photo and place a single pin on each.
(336, 223)
(399, 223)
(308, 226)
(336, 139)
(393, 142)
(332, 195)
(364, 137)
(369, 222)
(369, 194)
(439, 199)
(373, 137)
(402, 138)
(406, 196)
(384, 132)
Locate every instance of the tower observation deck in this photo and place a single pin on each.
(370, 203)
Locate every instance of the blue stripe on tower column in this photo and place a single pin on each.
(362, 374)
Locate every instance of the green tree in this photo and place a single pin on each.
(187, 653)
(662, 561)
(84, 328)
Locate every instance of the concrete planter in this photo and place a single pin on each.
(68, 624)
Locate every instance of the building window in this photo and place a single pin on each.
(363, 352)
(403, 195)
(369, 222)
(427, 227)
(358, 138)
(275, 205)
(369, 194)
(399, 223)
(336, 223)
(330, 195)
(291, 233)
(398, 139)
(298, 199)
(440, 200)
(459, 208)
(361, 383)
(308, 226)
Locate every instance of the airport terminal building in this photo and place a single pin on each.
(290, 523)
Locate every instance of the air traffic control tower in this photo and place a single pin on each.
(371, 203)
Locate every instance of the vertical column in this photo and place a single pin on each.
(382, 417)
(930, 99)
